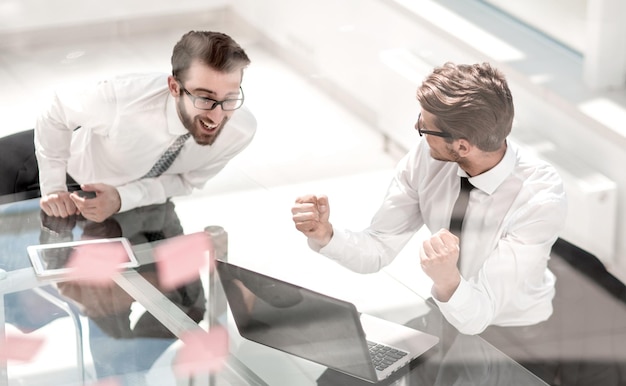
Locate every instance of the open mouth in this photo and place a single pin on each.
(208, 126)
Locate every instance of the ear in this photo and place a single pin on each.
(173, 86)
(463, 147)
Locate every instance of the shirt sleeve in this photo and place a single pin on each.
(391, 228)
(148, 191)
(54, 127)
(515, 270)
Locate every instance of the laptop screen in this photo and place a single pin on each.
(296, 320)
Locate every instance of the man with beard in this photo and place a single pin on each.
(493, 271)
(114, 139)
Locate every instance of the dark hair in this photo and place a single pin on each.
(469, 101)
(215, 49)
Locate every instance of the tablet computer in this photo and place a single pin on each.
(51, 260)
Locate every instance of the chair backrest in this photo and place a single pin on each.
(590, 266)
(18, 164)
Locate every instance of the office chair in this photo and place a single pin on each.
(18, 165)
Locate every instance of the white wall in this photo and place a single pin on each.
(541, 15)
(605, 48)
(594, 28)
(25, 15)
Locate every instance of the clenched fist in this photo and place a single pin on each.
(310, 213)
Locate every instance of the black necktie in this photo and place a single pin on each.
(460, 207)
(168, 157)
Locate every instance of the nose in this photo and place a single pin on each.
(217, 114)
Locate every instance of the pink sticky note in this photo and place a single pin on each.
(96, 263)
(20, 347)
(107, 382)
(180, 258)
(202, 352)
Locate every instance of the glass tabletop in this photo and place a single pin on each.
(131, 331)
(74, 331)
(456, 359)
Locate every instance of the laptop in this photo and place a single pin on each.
(318, 327)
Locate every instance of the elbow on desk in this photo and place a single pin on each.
(472, 329)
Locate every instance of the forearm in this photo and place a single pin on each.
(150, 191)
(361, 251)
(513, 287)
(52, 148)
(397, 219)
(468, 309)
(443, 290)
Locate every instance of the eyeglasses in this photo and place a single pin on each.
(204, 103)
(441, 134)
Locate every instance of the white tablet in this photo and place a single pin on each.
(50, 260)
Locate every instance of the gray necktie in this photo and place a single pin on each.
(460, 207)
(168, 157)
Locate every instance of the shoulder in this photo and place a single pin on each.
(143, 79)
(541, 182)
(136, 84)
(533, 168)
(115, 88)
(139, 80)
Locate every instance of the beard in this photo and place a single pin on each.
(198, 130)
(447, 155)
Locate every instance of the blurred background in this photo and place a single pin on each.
(332, 84)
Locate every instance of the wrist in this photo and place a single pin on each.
(328, 234)
(325, 237)
(443, 290)
(118, 205)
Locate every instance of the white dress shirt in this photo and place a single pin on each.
(515, 214)
(126, 124)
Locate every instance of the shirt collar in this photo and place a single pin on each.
(489, 181)
(174, 125)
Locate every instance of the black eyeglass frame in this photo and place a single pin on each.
(421, 132)
(216, 103)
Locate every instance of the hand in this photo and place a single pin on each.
(106, 203)
(57, 224)
(56, 229)
(58, 204)
(310, 214)
(439, 256)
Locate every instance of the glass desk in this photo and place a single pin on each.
(126, 333)
(129, 333)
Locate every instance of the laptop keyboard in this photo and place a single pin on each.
(384, 356)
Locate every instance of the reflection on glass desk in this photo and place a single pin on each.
(125, 332)
(129, 332)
